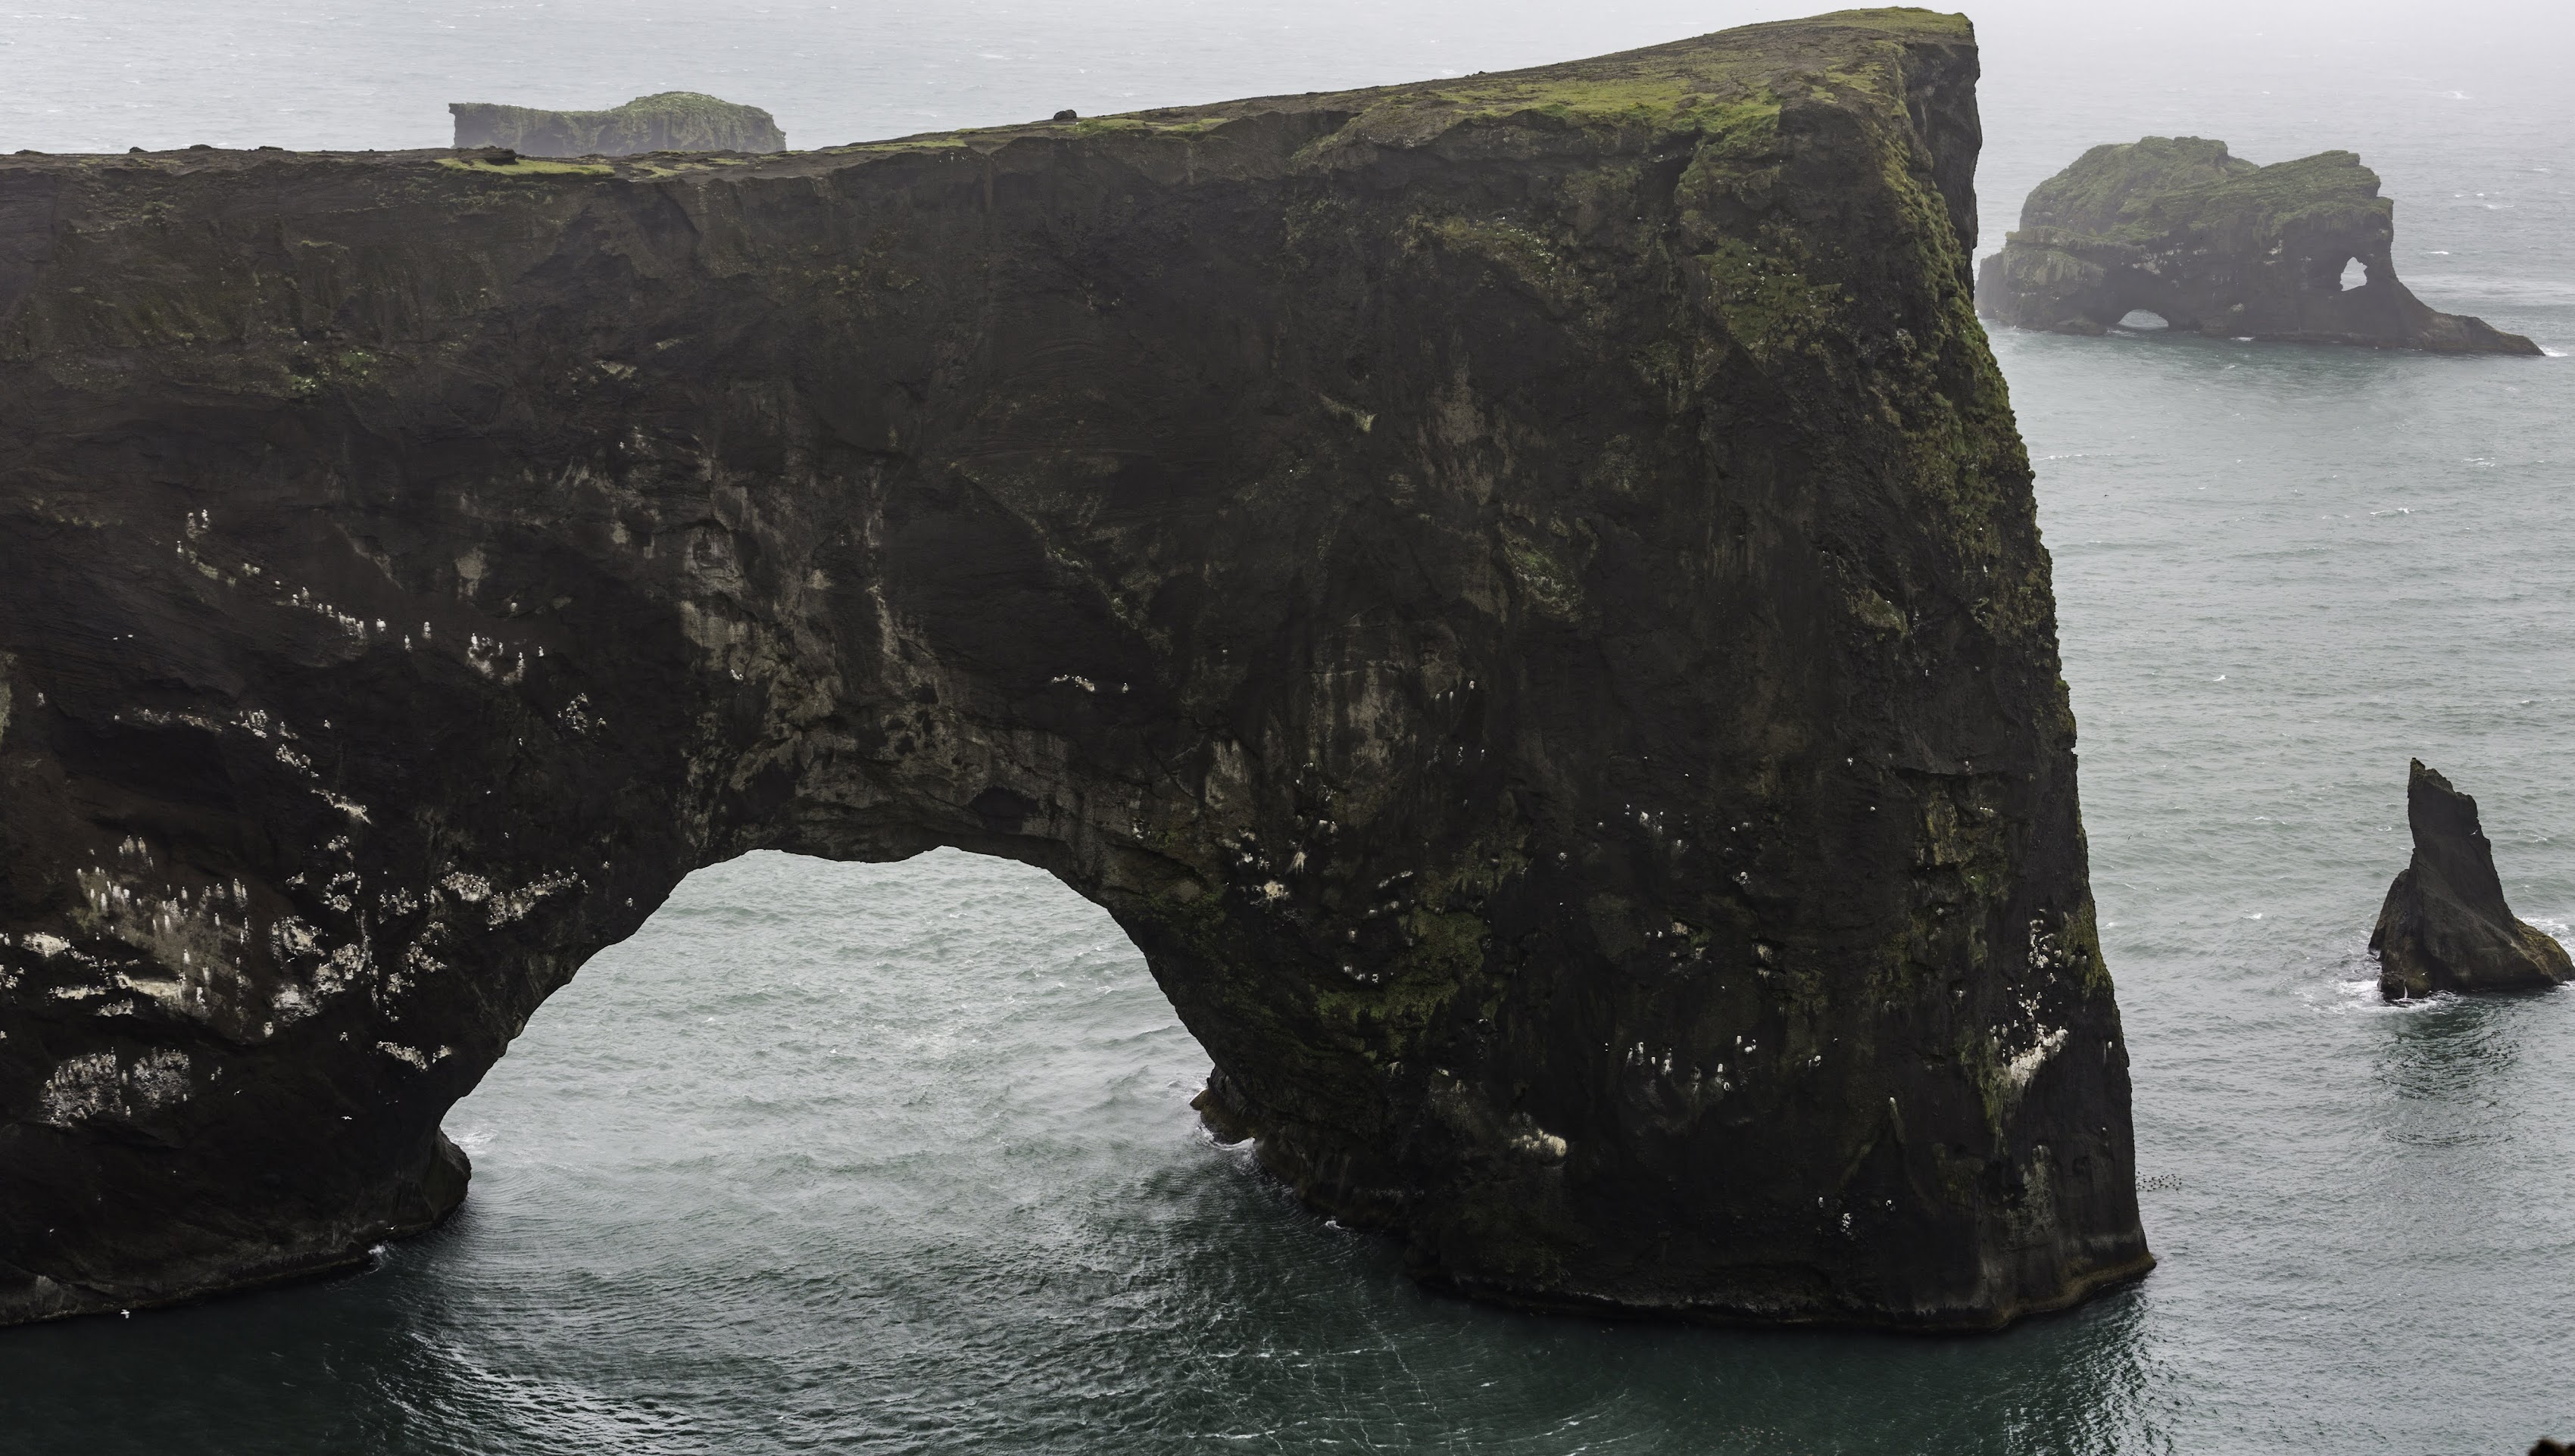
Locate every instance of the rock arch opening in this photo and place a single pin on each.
(812, 1067)
(2355, 276)
(2143, 321)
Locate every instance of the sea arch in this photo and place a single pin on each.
(1521, 597)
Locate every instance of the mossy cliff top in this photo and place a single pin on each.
(1520, 592)
(1728, 81)
(1702, 84)
(670, 121)
(2147, 190)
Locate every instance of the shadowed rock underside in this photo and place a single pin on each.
(1520, 594)
(669, 121)
(2175, 226)
(2445, 927)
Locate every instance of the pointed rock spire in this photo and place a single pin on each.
(2445, 926)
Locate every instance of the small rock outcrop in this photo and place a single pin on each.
(2175, 226)
(1520, 594)
(2445, 927)
(672, 121)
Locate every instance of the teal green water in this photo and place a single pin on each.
(899, 1158)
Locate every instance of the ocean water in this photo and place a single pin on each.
(898, 1158)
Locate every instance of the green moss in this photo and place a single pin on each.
(1518, 252)
(1445, 959)
(1447, 954)
(1743, 130)
(1200, 921)
(2143, 192)
(692, 116)
(526, 166)
(1586, 101)
(1911, 22)
(925, 142)
(1982, 1062)
(1488, 866)
(1878, 612)
(1962, 462)
(1553, 587)
(1448, 946)
(346, 367)
(1962, 1176)
(2081, 941)
(1719, 91)
(1770, 306)
(1711, 94)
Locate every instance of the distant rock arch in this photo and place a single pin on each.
(2217, 244)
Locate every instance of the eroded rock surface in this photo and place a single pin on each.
(1520, 594)
(2175, 226)
(2445, 927)
(670, 121)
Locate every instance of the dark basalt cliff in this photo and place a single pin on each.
(670, 121)
(2212, 243)
(1520, 594)
(2445, 927)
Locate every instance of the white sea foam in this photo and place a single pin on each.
(2360, 996)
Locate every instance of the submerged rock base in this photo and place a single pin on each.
(1520, 594)
(2445, 927)
(2175, 226)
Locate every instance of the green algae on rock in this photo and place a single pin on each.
(670, 121)
(2209, 242)
(1520, 594)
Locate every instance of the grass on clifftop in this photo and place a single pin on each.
(2144, 190)
(527, 167)
(1710, 82)
(1720, 82)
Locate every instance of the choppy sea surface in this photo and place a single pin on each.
(899, 1158)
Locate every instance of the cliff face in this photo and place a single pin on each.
(2444, 926)
(671, 121)
(2215, 244)
(1520, 594)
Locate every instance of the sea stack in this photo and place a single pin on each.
(672, 121)
(2445, 927)
(2175, 226)
(1520, 592)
